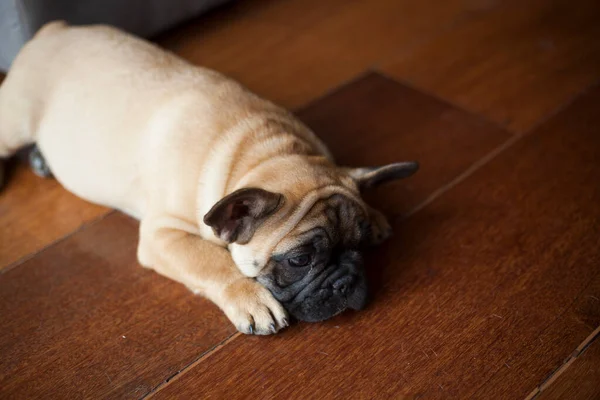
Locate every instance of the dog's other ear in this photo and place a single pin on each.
(236, 217)
(367, 178)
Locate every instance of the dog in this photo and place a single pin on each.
(237, 199)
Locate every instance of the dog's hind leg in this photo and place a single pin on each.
(17, 122)
(16, 130)
(38, 163)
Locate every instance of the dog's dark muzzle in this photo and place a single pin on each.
(331, 291)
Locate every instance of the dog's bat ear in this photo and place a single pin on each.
(367, 178)
(236, 217)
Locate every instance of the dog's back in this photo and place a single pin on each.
(150, 115)
(71, 86)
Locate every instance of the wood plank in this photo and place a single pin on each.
(35, 212)
(517, 65)
(293, 51)
(83, 319)
(580, 381)
(465, 285)
(544, 356)
(64, 312)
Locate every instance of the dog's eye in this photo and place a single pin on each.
(300, 261)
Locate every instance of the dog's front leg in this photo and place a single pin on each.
(208, 269)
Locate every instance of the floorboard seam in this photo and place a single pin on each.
(542, 331)
(482, 117)
(565, 366)
(448, 102)
(378, 67)
(203, 356)
(334, 89)
(464, 175)
(31, 255)
(561, 107)
(515, 137)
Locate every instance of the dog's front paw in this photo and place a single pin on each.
(252, 308)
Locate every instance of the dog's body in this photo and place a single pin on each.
(204, 164)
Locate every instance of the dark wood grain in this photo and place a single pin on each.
(543, 357)
(516, 65)
(466, 286)
(580, 381)
(35, 212)
(374, 121)
(83, 320)
(482, 294)
(295, 50)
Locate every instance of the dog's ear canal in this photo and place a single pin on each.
(236, 217)
(370, 177)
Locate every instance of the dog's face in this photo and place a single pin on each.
(307, 254)
(316, 270)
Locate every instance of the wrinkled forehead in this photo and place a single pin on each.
(339, 217)
(334, 220)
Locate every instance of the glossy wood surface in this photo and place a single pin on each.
(546, 357)
(83, 319)
(34, 212)
(580, 380)
(295, 50)
(489, 285)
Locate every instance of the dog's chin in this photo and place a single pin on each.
(326, 303)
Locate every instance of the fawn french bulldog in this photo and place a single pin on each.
(236, 198)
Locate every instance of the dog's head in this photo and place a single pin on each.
(306, 249)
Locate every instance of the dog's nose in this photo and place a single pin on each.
(343, 284)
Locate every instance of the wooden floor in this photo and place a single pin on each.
(490, 287)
